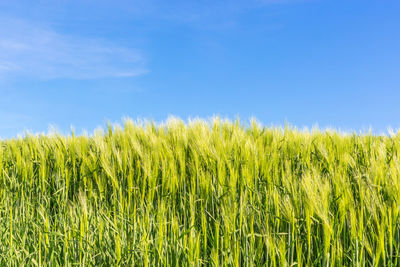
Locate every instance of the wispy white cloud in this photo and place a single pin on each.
(35, 51)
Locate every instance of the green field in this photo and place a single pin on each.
(200, 193)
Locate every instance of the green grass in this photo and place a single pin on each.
(202, 193)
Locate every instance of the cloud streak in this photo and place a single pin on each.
(34, 51)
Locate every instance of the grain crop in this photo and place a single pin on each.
(200, 193)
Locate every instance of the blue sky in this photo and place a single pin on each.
(85, 62)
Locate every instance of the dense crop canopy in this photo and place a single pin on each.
(201, 193)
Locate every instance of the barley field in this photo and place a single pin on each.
(201, 193)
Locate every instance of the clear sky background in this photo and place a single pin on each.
(335, 63)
